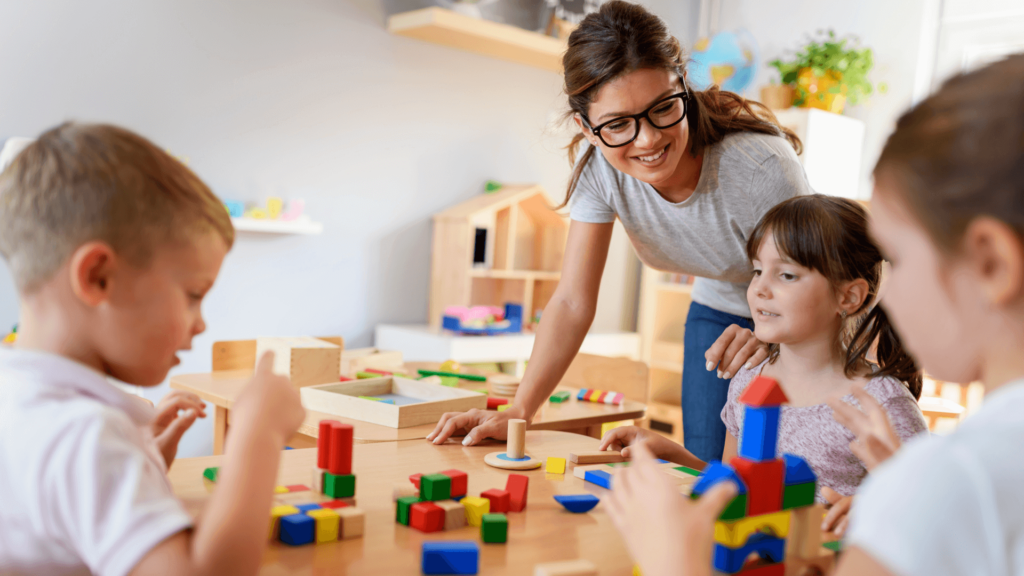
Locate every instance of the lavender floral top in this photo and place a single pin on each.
(811, 433)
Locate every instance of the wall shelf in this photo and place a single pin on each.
(502, 41)
(277, 226)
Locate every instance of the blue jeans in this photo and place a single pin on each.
(704, 393)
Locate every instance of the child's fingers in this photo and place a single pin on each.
(831, 495)
(265, 365)
(615, 439)
(849, 416)
(173, 433)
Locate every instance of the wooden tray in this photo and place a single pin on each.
(416, 402)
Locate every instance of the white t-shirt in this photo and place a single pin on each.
(953, 504)
(82, 484)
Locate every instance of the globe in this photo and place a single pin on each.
(728, 59)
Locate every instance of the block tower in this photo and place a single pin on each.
(775, 497)
(333, 473)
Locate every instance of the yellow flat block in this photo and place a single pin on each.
(503, 407)
(275, 518)
(327, 524)
(555, 465)
(735, 533)
(475, 509)
(280, 489)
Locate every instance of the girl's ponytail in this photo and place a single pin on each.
(893, 360)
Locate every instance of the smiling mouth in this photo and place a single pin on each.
(766, 314)
(653, 157)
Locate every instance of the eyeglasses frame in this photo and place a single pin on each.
(684, 95)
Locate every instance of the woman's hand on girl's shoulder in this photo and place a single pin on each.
(736, 348)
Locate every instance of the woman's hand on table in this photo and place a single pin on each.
(478, 425)
(736, 348)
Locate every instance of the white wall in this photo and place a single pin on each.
(891, 29)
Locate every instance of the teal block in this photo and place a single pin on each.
(339, 486)
(434, 487)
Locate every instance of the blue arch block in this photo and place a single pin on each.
(731, 560)
(760, 433)
(714, 473)
(578, 503)
(798, 471)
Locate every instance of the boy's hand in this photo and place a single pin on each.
(665, 531)
(169, 425)
(838, 517)
(876, 440)
(270, 401)
(736, 348)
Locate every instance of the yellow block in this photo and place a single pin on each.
(475, 509)
(327, 524)
(503, 407)
(735, 533)
(636, 570)
(608, 426)
(280, 489)
(555, 465)
(275, 518)
(594, 394)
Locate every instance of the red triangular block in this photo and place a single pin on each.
(763, 391)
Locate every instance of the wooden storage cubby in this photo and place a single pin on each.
(500, 247)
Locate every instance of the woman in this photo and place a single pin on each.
(687, 192)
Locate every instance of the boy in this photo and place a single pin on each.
(113, 244)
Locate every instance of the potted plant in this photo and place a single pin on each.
(828, 73)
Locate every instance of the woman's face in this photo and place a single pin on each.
(654, 156)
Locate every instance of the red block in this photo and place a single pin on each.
(588, 394)
(341, 449)
(600, 397)
(493, 403)
(517, 488)
(297, 488)
(334, 504)
(460, 482)
(777, 569)
(764, 482)
(323, 444)
(345, 379)
(426, 517)
(375, 371)
(500, 500)
(415, 479)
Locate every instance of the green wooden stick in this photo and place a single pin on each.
(472, 377)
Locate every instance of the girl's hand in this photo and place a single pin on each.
(623, 437)
(876, 440)
(838, 517)
(169, 426)
(666, 532)
(736, 348)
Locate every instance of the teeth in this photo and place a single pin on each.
(763, 313)
(655, 157)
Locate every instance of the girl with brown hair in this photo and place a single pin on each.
(688, 173)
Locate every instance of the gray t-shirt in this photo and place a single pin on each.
(741, 178)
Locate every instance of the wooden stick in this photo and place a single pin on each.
(516, 438)
(596, 457)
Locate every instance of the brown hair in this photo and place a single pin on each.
(830, 235)
(959, 154)
(622, 37)
(83, 182)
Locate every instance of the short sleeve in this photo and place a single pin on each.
(905, 416)
(730, 412)
(107, 498)
(777, 179)
(927, 512)
(587, 203)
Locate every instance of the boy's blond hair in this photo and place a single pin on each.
(82, 182)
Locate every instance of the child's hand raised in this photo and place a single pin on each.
(168, 426)
(666, 532)
(270, 401)
(876, 440)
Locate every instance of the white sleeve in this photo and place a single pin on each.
(928, 512)
(110, 501)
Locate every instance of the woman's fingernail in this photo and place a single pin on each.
(727, 375)
(748, 366)
(711, 365)
(719, 373)
(467, 440)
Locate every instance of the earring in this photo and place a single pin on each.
(843, 314)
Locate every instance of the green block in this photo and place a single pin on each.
(434, 487)
(339, 486)
(687, 470)
(835, 545)
(798, 495)
(211, 473)
(402, 507)
(617, 464)
(736, 509)
(559, 397)
(368, 375)
(449, 381)
(494, 528)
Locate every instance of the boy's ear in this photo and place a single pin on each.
(852, 295)
(92, 270)
(995, 252)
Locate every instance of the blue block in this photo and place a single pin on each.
(451, 557)
(714, 473)
(599, 477)
(798, 471)
(458, 498)
(760, 433)
(731, 560)
(578, 503)
(660, 461)
(235, 208)
(581, 393)
(307, 507)
(298, 529)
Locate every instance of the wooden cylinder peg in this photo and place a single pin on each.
(516, 438)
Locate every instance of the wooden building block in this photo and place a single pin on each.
(335, 504)
(500, 500)
(516, 438)
(415, 479)
(518, 487)
(460, 482)
(323, 444)
(211, 473)
(475, 509)
(494, 528)
(805, 532)
(555, 465)
(276, 513)
(297, 488)
(353, 521)
(567, 568)
(297, 529)
(735, 533)
(596, 457)
(316, 483)
(306, 360)
(339, 486)
(581, 471)
(340, 446)
(426, 517)
(404, 490)
(327, 524)
(450, 557)
(435, 487)
(454, 514)
(402, 507)
(764, 483)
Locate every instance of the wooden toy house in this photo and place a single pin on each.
(500, 247)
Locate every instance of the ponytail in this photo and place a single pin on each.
(892, 359)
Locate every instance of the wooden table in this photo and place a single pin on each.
(222, 389)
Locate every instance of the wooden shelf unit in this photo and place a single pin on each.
(503, 41)
(523, 250)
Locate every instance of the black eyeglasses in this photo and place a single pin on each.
(664, 113)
